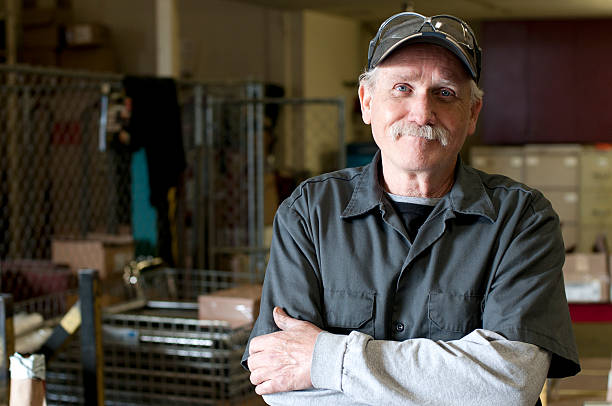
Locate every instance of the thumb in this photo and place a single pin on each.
(282, 320)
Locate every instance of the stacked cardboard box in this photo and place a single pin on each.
(238, 306)
(589, 385)
(553, 169)
(88, 47)
(506, 161)
(596, 196)
(43, 33)
(587, 278)
(106, 253)
(51, 38)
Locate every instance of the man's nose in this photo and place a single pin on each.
(421, 109)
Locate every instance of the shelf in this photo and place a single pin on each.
(591, 312)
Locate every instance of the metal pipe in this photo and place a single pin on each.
(210, 179)
(259, 137)
(341, 135)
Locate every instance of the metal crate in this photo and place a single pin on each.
(158, 351)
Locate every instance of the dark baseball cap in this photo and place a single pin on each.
(447, 31)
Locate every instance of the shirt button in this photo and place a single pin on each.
(399, 327)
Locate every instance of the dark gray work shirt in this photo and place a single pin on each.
(488, 256)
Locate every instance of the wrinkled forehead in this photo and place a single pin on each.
(429, 56)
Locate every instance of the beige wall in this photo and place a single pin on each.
(332, 62)
(310, 54)
(226, 40)
(132, 27)
(219, 39)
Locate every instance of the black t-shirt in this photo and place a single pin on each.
(413, 215)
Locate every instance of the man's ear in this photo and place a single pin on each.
(365, 99)
(474, 113)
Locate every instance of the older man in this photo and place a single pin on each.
(415, 279)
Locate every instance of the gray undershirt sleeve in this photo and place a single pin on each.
(482, 367)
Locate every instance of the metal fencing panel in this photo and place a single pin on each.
(248, 142)
(54, 180)
(63, 176)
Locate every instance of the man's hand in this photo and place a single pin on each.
(280, 362)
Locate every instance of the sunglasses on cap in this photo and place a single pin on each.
(444, 30)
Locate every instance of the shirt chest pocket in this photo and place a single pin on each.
(453, 316)
(347, 311)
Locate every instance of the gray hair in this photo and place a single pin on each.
(368, 79)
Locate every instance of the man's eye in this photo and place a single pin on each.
(446, 93)
(402, 88)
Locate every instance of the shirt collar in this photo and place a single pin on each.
(368, 192)
(467, 196)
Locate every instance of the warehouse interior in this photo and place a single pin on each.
(153, 140)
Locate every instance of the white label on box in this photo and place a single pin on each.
(533, 160)
(570, 197)
(602, 161)
(583, 291)
(570, 161)
(516, 161)
(480, 161)
(582, 264)
(82, 34)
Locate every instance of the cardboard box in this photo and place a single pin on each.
(609, 390)
(46, 3)
(508, 161)
(108, 254)
(589, 385)
(39, 56)
(552, 166)
(239, 306)
(45, 16)
(565, 203)
(596, 169)
(100, 59)
(48, 37)
(596, 208)
(587, 279)
(589, 234)
(86, 35)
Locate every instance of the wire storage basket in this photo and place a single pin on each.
(155, 349)
(162, 352)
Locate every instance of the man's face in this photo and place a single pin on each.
(419, 85)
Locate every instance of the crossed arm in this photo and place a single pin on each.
(480, 368)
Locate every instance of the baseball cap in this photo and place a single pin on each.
(447, 31)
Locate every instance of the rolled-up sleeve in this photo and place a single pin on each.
(526, 301)
(292, 277)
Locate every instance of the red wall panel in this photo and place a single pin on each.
(547, 81)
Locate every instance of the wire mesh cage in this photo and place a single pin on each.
(156, 350)
(257, 154)
(53, 178)
(65, 174)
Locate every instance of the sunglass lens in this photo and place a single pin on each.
(454, 29)
(401, 26)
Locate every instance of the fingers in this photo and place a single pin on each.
(257, 360)
(259, 375)
(257, 344)
(283, 321)
(266, 388)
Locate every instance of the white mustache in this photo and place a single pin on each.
(428, 132)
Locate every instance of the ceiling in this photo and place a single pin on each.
(375, 11)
